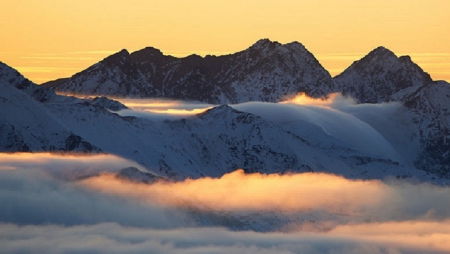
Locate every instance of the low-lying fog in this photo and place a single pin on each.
(55, 203)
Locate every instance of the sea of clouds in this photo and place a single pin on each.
(54, 203)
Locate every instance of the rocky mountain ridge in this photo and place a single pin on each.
(266, 71)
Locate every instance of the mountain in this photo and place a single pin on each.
(257, 73)
(212, 143)
(26, 125)
(266, 71)
(380, 76)
(26, 122)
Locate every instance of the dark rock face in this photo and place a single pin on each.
(267, 71)
(76, 143)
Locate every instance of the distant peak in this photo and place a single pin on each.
(381, 48)
(265, 43)
(381, 51)
(148, 51)
(295, 44)
(405, 58)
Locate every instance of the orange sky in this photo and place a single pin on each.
(47, 39)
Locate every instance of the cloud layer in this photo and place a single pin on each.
(59, 203)
(389, 238)
(44, 212)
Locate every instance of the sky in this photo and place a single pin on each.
(46, 39)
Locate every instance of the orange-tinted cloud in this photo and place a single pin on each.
(65, 165)
(240, 191)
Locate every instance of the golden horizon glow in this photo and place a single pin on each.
(46, 40)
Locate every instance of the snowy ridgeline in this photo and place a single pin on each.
(336, 135)
(266, 71)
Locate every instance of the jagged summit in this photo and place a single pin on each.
(378, 56)
(149, 51)
(266, 71)
(123, 52)
(295, 44)
(381, 50)
(265, 44)
(119, 57)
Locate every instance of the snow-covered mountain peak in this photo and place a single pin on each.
(379, 75)
(11, 77)
(375, 59)
(382, 60)
(266, 71)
